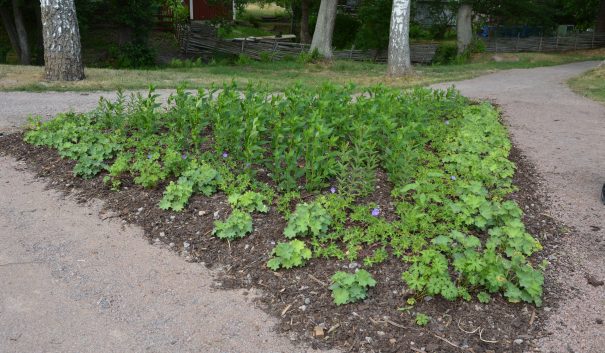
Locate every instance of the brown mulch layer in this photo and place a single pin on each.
(300, 298)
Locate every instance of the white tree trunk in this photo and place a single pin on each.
(464, 27)
(62, 51)
(324, 28)
(399, 62)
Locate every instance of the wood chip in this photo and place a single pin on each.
(318, 331)
(286, 309)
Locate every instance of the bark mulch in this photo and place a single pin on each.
(300, 298)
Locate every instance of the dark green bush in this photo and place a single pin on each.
(132, 56)
(446, 54)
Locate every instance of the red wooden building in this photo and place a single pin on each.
(203, 10)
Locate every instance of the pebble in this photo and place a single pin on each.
(140, 209)
(518, 341)
(369, 339)
(216, 214)
(428, 298)
(157, 240)
(171, 245)
(202, 213)
(307, 301)
(353, 265)
(392, 341)
(162, 234)
(172, 217)
(186, 245)
(302, 307)
(380, 333)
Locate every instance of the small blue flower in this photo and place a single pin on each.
(376, 212)
(225, 154)
(184, 156)
(453, 177)
(333, 190)
(149, 156)
(447, 122)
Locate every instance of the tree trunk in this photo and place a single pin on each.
(25, 57)
(600, 25)
(464, 27)
(9, 26)
(62, 51)
(322, 37)
(305, 37)
(399, 62)
(39, 37)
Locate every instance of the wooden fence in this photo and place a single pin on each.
(546, 44)
(202, 39)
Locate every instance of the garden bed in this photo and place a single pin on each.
(388, 320)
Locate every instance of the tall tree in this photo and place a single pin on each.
(324, 28)
(62, 49)
(9, 26)
(600, 25)
(25, 58)
(399, 62)
(464, 26)
(305, 37)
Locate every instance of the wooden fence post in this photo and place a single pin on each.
(351, 52)
(243, 45)
(593, 34)
(540, 46)
(274, 49)
(517, 43)
(557, 43)
(575, 43)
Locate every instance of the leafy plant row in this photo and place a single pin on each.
(447, 161)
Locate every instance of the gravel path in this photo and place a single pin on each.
(71, 282)
(74, 283)
(563, 134)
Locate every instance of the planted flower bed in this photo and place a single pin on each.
(412, 180)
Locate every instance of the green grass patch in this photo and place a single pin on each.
(445, 214)
(591, 84)
(277, 76)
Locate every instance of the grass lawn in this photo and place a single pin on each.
(278, 75)
(591, 84)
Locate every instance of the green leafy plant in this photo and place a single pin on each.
(249, 201)
(307, 219)
(287, 255)
(351, 287)
(422, 319)
(236, 226)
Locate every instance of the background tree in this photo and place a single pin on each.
(62, 50)
(600, 26)
(464, 27)
(399, 62)
(13, 22)
(324, 28)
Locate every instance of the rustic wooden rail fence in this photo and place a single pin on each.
(578, 41)
(203, 39)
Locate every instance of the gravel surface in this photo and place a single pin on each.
(72, 282)
(563, 134)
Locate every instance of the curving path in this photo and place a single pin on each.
(563, 134)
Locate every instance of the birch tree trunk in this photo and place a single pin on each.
(305, 37)
(464, 27)
(25, 57)
(399, 62)
(62, 51)
(322, 37)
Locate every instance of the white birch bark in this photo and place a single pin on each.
(464, 27)
(324, 28)
(62, 51)
(399, 62)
